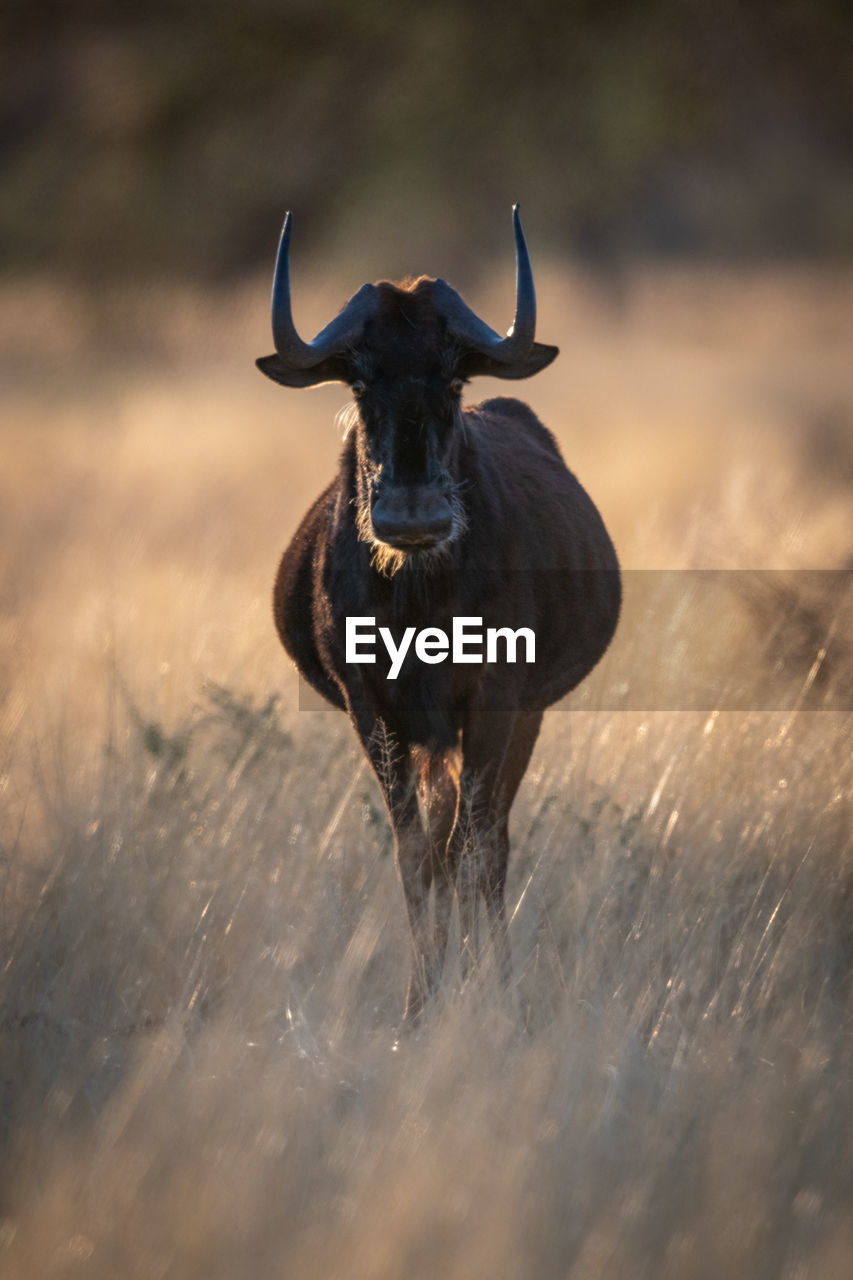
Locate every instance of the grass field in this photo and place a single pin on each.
(203, 937)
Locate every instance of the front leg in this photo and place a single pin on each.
(478, 848)
(392, 765)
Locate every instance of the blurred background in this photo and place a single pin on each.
(167, 140)
(202, 934)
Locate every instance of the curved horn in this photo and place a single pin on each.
(520, 336)
(466, 325)
(295, 353)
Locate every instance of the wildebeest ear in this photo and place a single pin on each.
(479, 364)
(333, 369)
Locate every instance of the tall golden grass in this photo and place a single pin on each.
(203, 935)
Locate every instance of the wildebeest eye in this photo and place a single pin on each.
(357, 387)
(456, 386)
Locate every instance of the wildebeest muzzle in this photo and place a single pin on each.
(411, 517)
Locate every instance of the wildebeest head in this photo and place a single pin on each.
(406, 351)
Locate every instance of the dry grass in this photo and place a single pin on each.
(203, 933)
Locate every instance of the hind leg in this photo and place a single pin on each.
(439, 793)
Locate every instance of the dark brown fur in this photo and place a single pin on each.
(449, 743)
(437, 513)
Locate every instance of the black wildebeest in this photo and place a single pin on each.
(439, 512)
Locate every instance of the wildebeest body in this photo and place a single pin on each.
(439, 513)
(535, 554)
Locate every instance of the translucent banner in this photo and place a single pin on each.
(687, 640)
